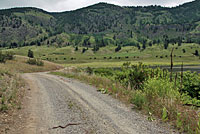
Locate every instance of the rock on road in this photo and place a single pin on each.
(55, 101)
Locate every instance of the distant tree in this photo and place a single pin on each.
(144, 45)
(83, 50)
(138, 46)
(85, 43)
(196, 53)
(30, 54)
(150, 43)
(118, 48)
(166, 43)
(154, 41)
(76, 48)
(114, 37)
(95, 48)
(38, 43)
(183, 50)
(179, 42)
(131, 34)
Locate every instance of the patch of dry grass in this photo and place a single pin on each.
(19, 65)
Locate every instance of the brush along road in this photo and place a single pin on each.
(60, 105)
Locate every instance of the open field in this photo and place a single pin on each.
(107, 56)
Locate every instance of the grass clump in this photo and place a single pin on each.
(35, 61)
(10, 84)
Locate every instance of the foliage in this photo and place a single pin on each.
(30, 54)
(139, 99)
(118, 48)
(89, 70)
(6, 56)
(164, 114)
(35, 61)
(9, 55)
(2, 58)
(132, 76)
(191, 84)
(151, 22)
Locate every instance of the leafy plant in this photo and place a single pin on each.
(139, 99)
(179, 122)
(164, 114)
(191, 84)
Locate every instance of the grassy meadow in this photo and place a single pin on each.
(107, 57)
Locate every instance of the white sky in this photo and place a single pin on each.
(66, 5)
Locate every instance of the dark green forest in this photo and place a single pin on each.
(100, 25)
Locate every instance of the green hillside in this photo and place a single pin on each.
(100, 25)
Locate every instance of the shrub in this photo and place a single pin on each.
(118, 48)
(191, 84)
(6, 56)
(158, 87)
(35, 61)
(132, 76)
(196, 53)
(89, 70)
(9, 55)
(30, 54)
(2, 58)
(139, 99)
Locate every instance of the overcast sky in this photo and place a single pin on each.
(66, 5)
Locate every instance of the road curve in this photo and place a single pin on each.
(58, 101)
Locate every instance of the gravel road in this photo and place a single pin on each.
(55, 101)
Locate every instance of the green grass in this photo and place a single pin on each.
(63, 55)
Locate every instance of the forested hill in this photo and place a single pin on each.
(101, 24)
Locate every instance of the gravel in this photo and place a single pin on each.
(59, 101)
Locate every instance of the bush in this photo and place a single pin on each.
(30, 54)
(2, 58)
(89, 70)
(35, 61)
(9, 55)
(132, 76)
(139, 99)
(118, 48)
(158, 87)
(191, 84)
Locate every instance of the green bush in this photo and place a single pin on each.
(139, 99)
(162, 88)
(6, 56)
(2, 58)
(132, 76)
(9, 55)
(191, 84)
(35, 61)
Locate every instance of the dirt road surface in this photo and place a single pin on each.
(56, 101)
